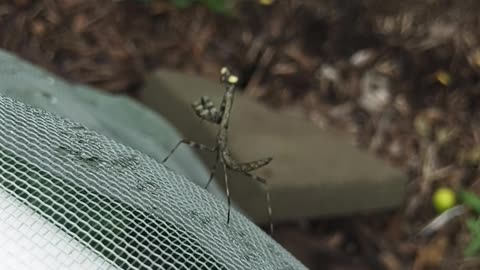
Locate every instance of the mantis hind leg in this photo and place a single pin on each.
(252, 165)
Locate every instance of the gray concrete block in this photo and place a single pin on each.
(313, 173)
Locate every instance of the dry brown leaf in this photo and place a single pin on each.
(432, 254)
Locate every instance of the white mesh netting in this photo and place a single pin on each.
(73, 199)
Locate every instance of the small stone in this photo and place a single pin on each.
(375, 92)
(362, 57)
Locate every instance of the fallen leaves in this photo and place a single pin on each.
(431, 255)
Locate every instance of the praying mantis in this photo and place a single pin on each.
(206, 110)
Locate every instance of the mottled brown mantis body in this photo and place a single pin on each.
(206, 110)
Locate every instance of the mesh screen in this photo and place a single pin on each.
(92, 195)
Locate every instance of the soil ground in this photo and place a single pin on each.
(402, 77)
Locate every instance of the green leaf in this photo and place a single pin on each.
(216, 5)
(473, 247)
(183, 3)
(470, 200)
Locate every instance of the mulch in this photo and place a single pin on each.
(402, 77)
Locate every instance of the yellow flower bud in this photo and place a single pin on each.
(443, 77)
(266, 2)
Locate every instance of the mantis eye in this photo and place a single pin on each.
(232, 79)
(226, 76)
(224, 71)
